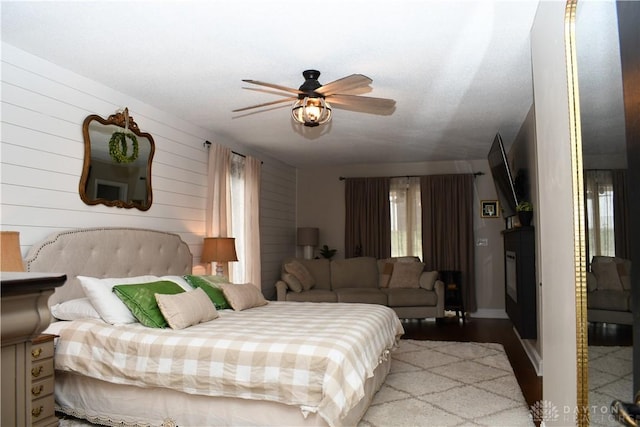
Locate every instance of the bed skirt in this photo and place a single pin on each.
(124, 405)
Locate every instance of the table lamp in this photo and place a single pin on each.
(219, 250)
(308, 237)
(10, 256)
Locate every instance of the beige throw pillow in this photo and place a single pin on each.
(607, 274)
(242, 297)
(301, 273)
(406, 275)
(292, 282)
(186, 309)
(428, 280)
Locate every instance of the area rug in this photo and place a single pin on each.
(610, 378)
(442, 383)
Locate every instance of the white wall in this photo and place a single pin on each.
(42, 151)
(321, 204)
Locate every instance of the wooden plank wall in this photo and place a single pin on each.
(42, 151)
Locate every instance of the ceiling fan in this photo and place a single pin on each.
(311, 106)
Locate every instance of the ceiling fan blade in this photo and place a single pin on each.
(274, 86)
(264, 110)
(291, 98)
(273, 92)
(344, 84)
(363, 104)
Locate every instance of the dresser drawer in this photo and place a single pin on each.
(42, 382)
(42, 348)
(41, 369)
(43, 387)
(42, 409)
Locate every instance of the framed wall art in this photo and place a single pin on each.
(489, 209)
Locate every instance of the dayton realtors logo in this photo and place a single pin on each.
(544, 411)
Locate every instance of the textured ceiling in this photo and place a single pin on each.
(460, 71)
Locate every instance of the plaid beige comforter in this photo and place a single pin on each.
(313, 355)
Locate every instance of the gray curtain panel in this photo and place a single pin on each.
(368, 218)
(447, 228)
(620, 212)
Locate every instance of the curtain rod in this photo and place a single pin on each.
(342, 178)
(208, 144)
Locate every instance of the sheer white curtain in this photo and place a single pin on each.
(218, 217)
(406, 216)
(600, 218)
(253, 265)
(233, 210)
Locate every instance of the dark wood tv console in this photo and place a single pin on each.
(520, 280)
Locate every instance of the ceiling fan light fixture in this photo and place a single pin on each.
(311, 111)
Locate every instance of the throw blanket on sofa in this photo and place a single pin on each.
(313, 355)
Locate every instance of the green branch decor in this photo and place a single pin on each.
(118, 147)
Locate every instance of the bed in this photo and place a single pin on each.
(275, 364)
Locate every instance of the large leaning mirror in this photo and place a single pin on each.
(117, 162)
(608, 194)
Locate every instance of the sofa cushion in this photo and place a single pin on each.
(301, 273)
(624, 271)
(361, 295)
(360, 272)
(408, 297)
(385, 274)
(313, 295)
(428, 279)
(609, 300)
(606, 272)
(406, 275)
(320, 269)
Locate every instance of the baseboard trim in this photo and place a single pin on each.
(489, 313)
(532, 353)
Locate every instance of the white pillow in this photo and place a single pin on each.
(107, 304)
(180, 281)
(79, 308)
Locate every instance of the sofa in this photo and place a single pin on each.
(399, 283)
(609, 290)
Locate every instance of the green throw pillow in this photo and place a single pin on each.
(141, 300)
(209, 286)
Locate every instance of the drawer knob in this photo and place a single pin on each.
(35, 372)
(37, 411)
(36, 352)
(37, 390)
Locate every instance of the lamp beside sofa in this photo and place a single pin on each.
(399, 283)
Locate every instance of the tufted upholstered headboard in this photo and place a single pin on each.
(107, 252)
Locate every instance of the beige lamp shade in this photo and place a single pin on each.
(219, 249)
(10, 256)
(308, 236)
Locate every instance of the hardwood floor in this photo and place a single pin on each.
(482, 330)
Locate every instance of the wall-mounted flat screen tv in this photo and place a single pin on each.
(502, 177)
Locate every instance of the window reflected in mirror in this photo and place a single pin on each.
(117, 162)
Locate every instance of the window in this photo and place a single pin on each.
(600, 218)
(406, 217)
(237, 215)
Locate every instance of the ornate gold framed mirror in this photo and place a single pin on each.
(117, 162)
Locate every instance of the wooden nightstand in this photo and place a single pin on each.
(25, 315)
(42, 382)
